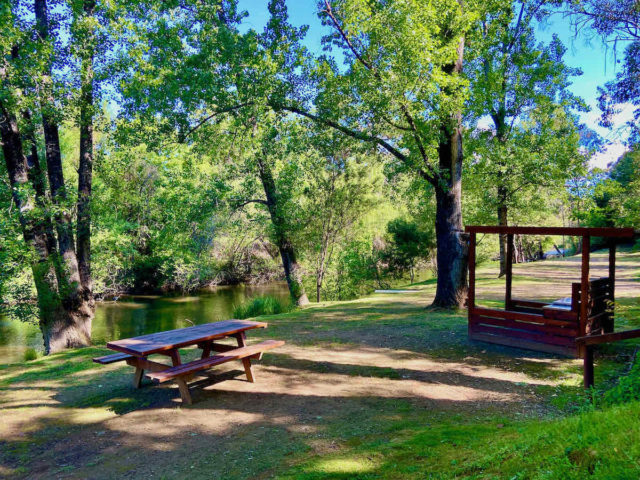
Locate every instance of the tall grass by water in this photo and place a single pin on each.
(263, 305)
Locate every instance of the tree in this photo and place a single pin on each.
(612, 199)
(408, 244)
(60, 271)
(282, 221)
(404, 93)
(616, 21)
(227, 77)
(523, 88)
(342, 180)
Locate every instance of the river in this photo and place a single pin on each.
(130, 316)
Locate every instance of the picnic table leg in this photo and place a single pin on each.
(206, 349)
(181, 381)
(175, 357)
(184, 390)
(137, 377)
(246, 362)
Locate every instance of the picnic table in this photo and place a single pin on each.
(135, 352)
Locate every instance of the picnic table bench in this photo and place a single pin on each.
(135, 352)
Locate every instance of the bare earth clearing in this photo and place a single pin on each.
(350, 371)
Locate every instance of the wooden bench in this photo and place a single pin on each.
(180, 373)
(116, 357)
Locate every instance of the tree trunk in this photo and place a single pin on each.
(54, 167)
(60, 327)
(451, 255)
(502, 221)
(451, 242)
(73, 328)
(292, 270)
(85, 169)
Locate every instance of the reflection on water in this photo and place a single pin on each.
(138, 315)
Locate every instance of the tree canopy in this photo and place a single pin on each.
(159, 146)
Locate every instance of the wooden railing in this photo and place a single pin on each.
(589, 341)
(524, 330)
(600, 305)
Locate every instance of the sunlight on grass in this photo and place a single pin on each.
(378, 387)
(351, 465)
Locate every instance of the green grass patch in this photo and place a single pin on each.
(594, 444)
(264, 305)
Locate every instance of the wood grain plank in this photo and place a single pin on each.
(531, 327)
(518, 343)
(529, 336)
(116, 357)
(608, 337)
(609, 232)
(526, 317)
(206, 363)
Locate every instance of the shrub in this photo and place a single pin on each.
(628, 387)
(265, 305)
(30, 354)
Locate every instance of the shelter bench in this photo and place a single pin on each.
(116, 357)
(135, 352)
(547, 326)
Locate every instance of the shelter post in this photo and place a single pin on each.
(588, 375)
(584, 287)
(508, 272)
(612, 281)
(471, 299)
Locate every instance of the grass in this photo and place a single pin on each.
(375, 388)
(595, 444)
(263, 305)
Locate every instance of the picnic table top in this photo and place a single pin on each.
(171, 339)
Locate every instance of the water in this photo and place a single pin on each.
(141, 314)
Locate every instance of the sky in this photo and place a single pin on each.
(589, 54)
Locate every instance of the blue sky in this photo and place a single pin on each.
(587, 53)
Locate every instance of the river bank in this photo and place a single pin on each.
(132, 315)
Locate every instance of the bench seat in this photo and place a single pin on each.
(206, 363)
(116, 357)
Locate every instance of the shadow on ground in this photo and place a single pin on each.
(350, 372)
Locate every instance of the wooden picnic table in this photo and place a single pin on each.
(135, 351)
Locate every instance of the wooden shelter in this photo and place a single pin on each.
(547, 326)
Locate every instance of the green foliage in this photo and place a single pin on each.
(613, 199)
(407, 245)
(30, 354)
(17, 290)
(356, 271)
(204, 107)
(627, 389)
(264, 305)
(617, 23)
(155, 219)
(533, 144)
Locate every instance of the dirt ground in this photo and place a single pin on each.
(349, 371)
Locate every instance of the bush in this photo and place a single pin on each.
(265, 305)
(628, 387)
(30, 354)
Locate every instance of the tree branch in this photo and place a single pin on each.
(240, 205)
(219, 112)
(347, 131)
(344, 36)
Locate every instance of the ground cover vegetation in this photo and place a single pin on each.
(402, 395)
